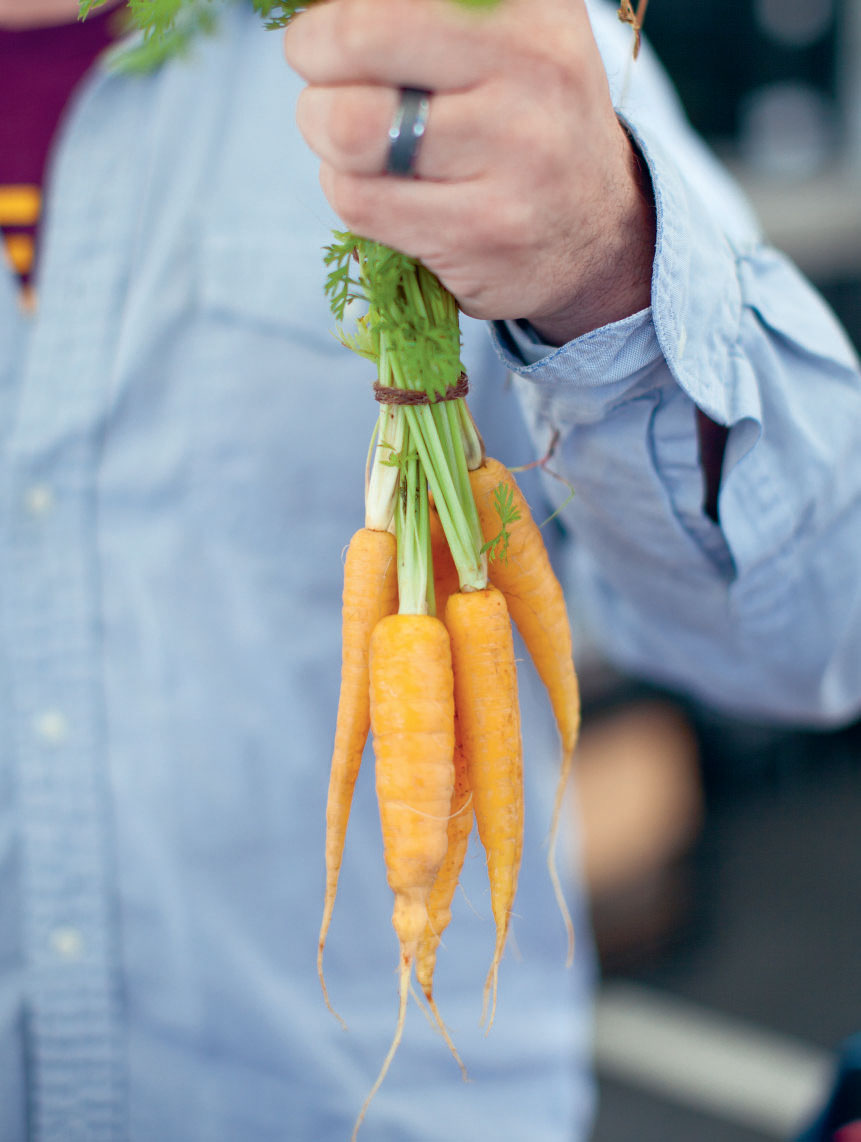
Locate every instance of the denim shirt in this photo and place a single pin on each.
(182, 447)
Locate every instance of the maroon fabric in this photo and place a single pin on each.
(849, 1133)
(39, 70)
(713, 438)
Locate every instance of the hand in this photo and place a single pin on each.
(530, 201)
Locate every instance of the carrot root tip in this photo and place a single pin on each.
(443, 1030)
(490, 989)
(561, 902)
(558, 891)
(325, 989)
(403, 995)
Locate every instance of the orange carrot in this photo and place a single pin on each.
(412, 718)
(445, 575)
(439, 903)
(370, 592)
(537, 605)
(485, 686)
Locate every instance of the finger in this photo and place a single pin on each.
(437, 221)
(435, 44)
(348, 127)
(481, 243)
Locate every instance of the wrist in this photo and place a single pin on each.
(615, 269)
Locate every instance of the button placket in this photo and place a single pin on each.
(51, 727)
(53, 618)
(39, 499)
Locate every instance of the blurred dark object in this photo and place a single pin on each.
(775, 88)
(640, 800)
(840, 1120)
(844, 297)
(743, 67)
(703, 832)
(773, 929)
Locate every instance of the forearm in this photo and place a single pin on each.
(612, 275)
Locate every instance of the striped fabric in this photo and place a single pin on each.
(40, 68)
(20, 204)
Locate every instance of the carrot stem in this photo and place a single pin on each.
(381, 482)
(470, 563)
(413, 535)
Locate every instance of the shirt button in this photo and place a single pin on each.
(67, 943)
(39, 499)
(52, 727)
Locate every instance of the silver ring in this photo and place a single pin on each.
(407, 130)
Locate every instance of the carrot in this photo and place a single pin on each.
(445, 574)
(537, 605)
(370, 592)
(485, 687)
(439, 903)
(412, 718)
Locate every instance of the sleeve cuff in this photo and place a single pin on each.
(610, 353)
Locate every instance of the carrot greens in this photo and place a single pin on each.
(169, 27)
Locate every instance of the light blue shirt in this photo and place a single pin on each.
(182, 444)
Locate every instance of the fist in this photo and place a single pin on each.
(527, 199)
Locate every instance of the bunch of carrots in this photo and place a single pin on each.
(449, 554)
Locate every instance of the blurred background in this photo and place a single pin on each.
(775, 86)
(724, 858)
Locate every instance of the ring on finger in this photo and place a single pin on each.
(407, 131)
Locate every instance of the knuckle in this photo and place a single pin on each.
(356, 34)
(305, 113)
(514, 217)
(369, 33)
(352, 129)
(527, 137)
